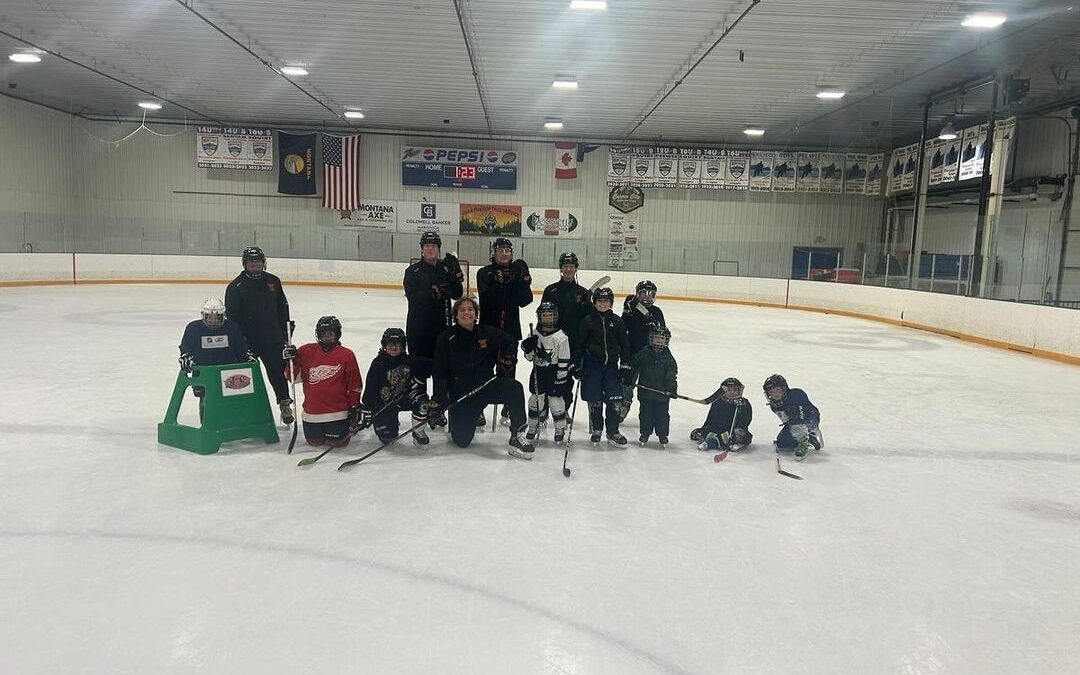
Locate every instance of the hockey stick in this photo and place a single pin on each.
(308, 461)
(704, 401)
(602, 281)
(570, 430)
(780, 469)
(296, 406)
(450, 407)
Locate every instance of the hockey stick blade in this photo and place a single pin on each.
(602, 281)
(720, 456)
(785, 473)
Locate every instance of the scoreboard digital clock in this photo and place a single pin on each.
(459, 168)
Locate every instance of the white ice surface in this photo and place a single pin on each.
(938, 533)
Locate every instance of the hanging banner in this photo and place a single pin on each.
(371, 215)
(950, 168)
(935, 155)
(417, 217)
(689, 168)
(618, 167)
(896, 170)
(296, 164)
(855, 170)
(738, 170)
(490, 220)
(713, 168)
(972, 151)
(234, 148)
(761, 168)
(666, 167)
(911, 166)
(809, 175)
(832, 172)
(875, 173)
(557, 222)
(785, 166)
(642, 167)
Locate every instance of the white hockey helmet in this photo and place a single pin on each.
(213, 312)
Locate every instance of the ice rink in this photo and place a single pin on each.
(939, 532)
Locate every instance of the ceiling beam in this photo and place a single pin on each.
(472, 64)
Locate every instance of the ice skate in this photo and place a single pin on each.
(420, 438)
(594, 437)
(519, 448)
(616, 440)
(663, 442)
(287, 417)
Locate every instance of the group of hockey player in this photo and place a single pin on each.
(468, 348)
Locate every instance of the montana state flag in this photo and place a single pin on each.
(296, 164)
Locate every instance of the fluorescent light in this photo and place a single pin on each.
(297, 71)
(588, 4)
(353, 115)
(754, 131)
(25, 57)
(831, 94)
(553, 124)
(149, 105)
(948, 132)
(564, 83)
(984, 20)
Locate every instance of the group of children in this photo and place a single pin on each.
(617, 355)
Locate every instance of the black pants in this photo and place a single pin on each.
(270, 355)
(653, 416)
(386, 424)
(504, 391)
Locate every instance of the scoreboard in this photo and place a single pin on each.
(459, 168)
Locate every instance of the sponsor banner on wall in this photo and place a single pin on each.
(972, 150)
(470, 168)
(624, 231)
(490, 220)
(417, 217)
(855, 170)
(761, 168)
(666, 167)
(832, 172)
(234, 148)
(911, 166)
(627, 198)
(371, 215)
(552, 222)
(738, 170)
(618, 166)
(808, 178)
(785, 166)
(875, 172)
(689, 166)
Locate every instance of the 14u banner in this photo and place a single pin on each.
(234, 148)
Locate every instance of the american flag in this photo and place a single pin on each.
(341, 172)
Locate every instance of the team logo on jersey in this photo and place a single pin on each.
(320, 373)
(237, 381)
(235, 147)
(272, 288)
(481, 343)
(259, 148)
(209, 144)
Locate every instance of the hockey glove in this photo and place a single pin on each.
(440, 291)
(504, 366)
(574, 370)
(520, 271)
(626, 373)
(356, 417)
(436, 416)
(187, 362)
(453, 266)
(528, 345)
(504, 276)
(288, 353)
(251, 356)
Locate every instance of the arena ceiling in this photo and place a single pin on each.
(671, 70)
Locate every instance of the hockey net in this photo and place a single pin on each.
(464, 270)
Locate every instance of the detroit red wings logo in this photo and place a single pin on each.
(238, 381)
(320, 373)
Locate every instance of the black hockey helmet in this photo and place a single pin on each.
(430, 237)
(732, 388)
(550, 308)
(393, 336)
(326, 323)
(645, 292)
(604, 293)
(501, 242)
(659, 336)
(773, 381)
(568, 258)
(253, 253)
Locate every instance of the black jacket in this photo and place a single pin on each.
(640, 321)
(604, 337)
(260, 307)
(428, 313)
(499, 302)
(722, 413)
(466, 359)
(391, 377)
(572, 300)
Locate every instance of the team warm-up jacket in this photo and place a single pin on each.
(499, 302)
(332, 382)
(394, 377)
(604, 337)
(427, 313)
(722, 414)
(639, 321)
(466, 359)
(214, 346)
(656, 369)
(796, 408)
(574, 305)
(260, 307)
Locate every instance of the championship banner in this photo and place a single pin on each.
(713, 168)
(855, 171)
(665, 167)
(832, 172)
(296, 164)
(371, 215)
(911, 166)
(738, 170)
(419, 217)
(950, 168)
(234, 148)
(485, 169)
(761, 168)
(875, 172)
(618, 167)
(641, 167)
(896, 170)
(689, 169)
(784, 167)
(972, 151)
(552, 222)
(809, 174)
(490, 220)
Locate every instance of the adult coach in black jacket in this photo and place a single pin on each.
(572, 299)
(466, 355)
(256, 301)
(431, 283)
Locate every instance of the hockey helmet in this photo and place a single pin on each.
(646, 292)
(732, 388)
(213, 312)
(393, 336)
(604, 293)
(775, 382)
(547, 314)
(501, 243)
(430, 237)
(253, 254)
(568, 258)
(324, 324)
(659, 336)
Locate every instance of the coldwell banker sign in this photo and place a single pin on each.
(484, 169)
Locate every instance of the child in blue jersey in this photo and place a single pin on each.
(801, 418)
(211, 341)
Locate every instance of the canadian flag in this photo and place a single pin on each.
(565, 160)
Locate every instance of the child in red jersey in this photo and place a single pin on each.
(332, 385)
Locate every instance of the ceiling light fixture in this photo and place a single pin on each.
(25, 57)
(754, 131)
(149, 105)
(353, 115)
(553, 124)
(831, 94)
(948, 132)
(984, 20)
(594, 5)
(562, 82)
(295, 71)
